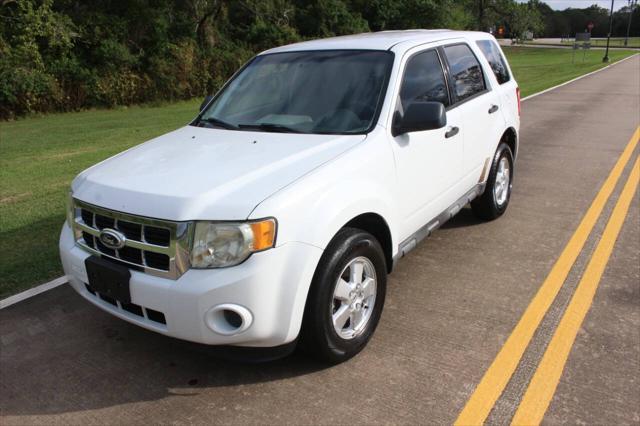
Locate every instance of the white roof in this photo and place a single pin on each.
(383, 40)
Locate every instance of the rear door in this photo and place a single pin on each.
(505, 85)
(479, 107)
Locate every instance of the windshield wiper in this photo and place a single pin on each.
(219, 123)
(269, 127)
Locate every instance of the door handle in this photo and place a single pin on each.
(451, 132)
(493, 109)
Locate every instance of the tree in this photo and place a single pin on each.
(203, 12)
(70, 54)
(325, 18)
(408, 14)
(488, 13)
(522, 18)
(31, 37)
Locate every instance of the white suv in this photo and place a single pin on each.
(275, 216)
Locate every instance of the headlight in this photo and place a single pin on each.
(220, 244)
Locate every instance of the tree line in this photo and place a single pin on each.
(570, 21)
(67, 55)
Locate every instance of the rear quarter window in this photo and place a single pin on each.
(492, 53)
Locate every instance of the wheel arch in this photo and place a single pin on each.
(510, 137)
(377, 226)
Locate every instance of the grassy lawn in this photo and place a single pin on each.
(537, 69)
(41, 155)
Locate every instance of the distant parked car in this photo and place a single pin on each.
(275, 216)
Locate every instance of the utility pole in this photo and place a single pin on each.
(632, 5)
(606, 54)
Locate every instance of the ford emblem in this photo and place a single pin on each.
(112, 239)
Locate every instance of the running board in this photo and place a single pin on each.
(410, 243)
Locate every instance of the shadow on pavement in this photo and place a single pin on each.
(52, 360)
(60, 354)
(464, 218)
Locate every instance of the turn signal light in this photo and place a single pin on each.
(264, 234)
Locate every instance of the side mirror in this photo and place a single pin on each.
(419, 116)
(204, 103)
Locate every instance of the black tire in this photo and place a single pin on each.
(486, 206)
(318, 336)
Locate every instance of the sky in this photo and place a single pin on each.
(579, 4)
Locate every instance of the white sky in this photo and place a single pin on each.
(579, 4)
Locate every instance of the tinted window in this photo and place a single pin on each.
(466, 72)
(491, 51)
(424, 80)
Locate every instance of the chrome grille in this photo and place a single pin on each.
(156, 247)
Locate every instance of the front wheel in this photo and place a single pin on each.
(346, 297)
(497, 193)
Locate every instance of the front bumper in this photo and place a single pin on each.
(271, 285)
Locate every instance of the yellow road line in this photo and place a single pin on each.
(497, 376)
(545, 380)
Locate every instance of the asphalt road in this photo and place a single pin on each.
(451, 305)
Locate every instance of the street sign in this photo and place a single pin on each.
(582, 41)
(583, 37)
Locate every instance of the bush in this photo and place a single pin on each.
(74, 54)
(121, 88)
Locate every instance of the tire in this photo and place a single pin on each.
(349, 251)
(494, 202)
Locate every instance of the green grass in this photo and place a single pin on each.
(41, 155)
(39, 158)
(537, 69)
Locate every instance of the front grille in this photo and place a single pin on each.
(156, 236)
(157, 260)
(88, 239)
(154, 246)
(104, 249)
(102, 222)
(133, 255)
(87, 217)
(133, 231)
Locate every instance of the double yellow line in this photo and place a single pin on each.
(544, 382)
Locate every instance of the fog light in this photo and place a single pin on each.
(233, 318)
(228, 319)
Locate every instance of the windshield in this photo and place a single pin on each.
(336, 91)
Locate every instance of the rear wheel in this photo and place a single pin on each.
(346, 297)
(495, 199)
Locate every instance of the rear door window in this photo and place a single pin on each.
(424, 80)
(492, 52)
(466, 72)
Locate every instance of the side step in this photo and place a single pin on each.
(410, 243)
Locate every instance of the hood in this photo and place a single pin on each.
(205, 174)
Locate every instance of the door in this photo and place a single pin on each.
(428, 162)
(479, 107)
(504, 83)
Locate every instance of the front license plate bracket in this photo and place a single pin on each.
(108, 278)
